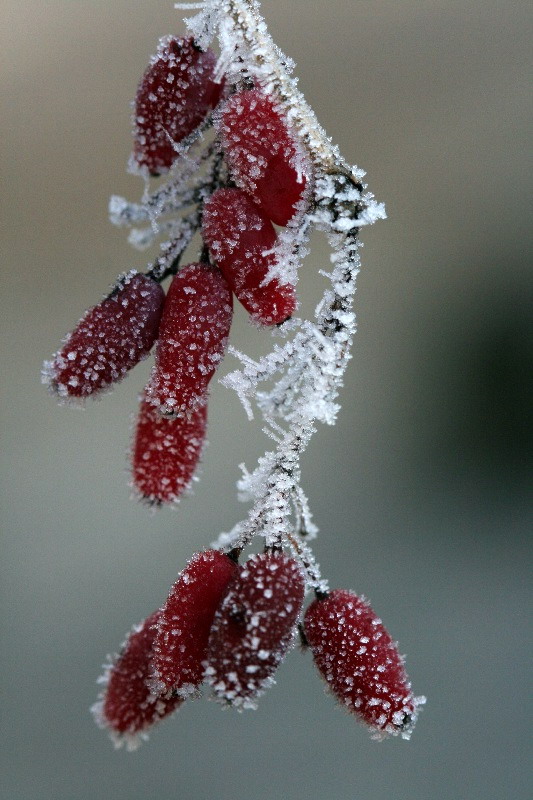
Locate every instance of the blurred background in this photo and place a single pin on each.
(420, 491)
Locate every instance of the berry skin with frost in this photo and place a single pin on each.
(110, 339)
(360, 662)
(262, 154)
(174, 96)
(127, 707)
(238, 235)
(253, 628)
(166, 453)
(184, 624)
(193, 335)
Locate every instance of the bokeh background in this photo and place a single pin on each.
(420, 491)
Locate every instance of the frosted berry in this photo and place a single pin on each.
(110, 339)
(193, 335)
(262, 154)
(185, 621)
(166, 453)
(253, 628)
(239, 235)
(176, 93)
(127, 707)
(360, 662)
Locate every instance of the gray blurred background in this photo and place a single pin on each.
(420, 491)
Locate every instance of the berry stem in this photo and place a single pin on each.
(169, 261)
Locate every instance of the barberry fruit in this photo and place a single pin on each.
(166, 453)
(262, 154)
(253, 628)
(193, 335)
(176, 93)
(110, 339)
(240, 238)
(127, 707)
(183, 627)
(360, 662)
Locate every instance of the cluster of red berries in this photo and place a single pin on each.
(223, 624)
(265, 183)
(230, 626)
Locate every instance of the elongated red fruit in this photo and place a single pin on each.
(110, 339)
(127, 707)
(360, 662)
(166, 453)
(253, 628)
(175, 94)
(239, 236)
(183, 627)
(193, 336)
(263, 154)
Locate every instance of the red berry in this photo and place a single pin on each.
(127, 707)
(262, 154)
(253, 628)
(166, 453)
(357, 657)
(175, 94)
(193, 335)
(239, 235)
(110, 339)
(185, 622)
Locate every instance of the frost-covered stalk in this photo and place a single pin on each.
(241, 150)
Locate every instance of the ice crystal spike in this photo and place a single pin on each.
(253, 628)
(262, 154)
(110, 339)
(176, 93)
(360, 662)
(241, 238)
(166, 453)
(127, 707)
(193, 335)
(185, 621)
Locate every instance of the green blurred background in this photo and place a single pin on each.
(420, 491)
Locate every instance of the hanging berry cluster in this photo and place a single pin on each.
(241, 152)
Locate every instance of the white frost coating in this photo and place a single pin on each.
(290, 250)
(143, 238)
